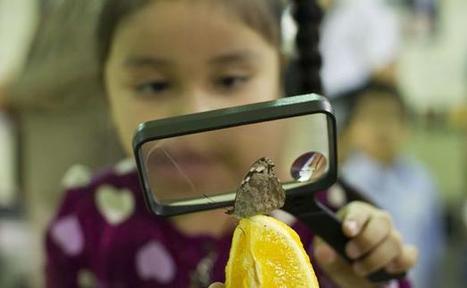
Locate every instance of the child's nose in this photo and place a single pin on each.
(194, 101)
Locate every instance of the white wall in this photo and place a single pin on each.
(18, 19)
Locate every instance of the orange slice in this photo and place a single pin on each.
(267, 253)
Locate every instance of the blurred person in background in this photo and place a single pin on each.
(18, 20)
(372, 138)
(56, 98)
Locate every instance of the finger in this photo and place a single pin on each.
(335, 267)
(329, 261)
(354, 217)
(406, 260)
(379, 257)
(324, 253)
(373, 233)
(217, 285)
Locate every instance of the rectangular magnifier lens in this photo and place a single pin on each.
(207, 167)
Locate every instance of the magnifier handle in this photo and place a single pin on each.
(325, 224)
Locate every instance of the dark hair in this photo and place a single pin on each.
(112, 15)
(346, 103)
(261, 15)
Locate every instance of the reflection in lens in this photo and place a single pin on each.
(165, 175)
(309, 167)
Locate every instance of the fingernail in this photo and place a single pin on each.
(353, 251)
(352, 227)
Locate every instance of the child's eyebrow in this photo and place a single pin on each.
(235, 57)
(142, 61)
(223, 59)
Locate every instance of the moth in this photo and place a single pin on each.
(260, 191)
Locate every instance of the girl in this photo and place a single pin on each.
(165, 58)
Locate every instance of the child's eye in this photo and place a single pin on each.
(154, 87)
(231, 82)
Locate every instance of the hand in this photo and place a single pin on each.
(374, 244)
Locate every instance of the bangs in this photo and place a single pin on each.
(263, 16)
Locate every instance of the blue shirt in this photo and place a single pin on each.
(407, 191)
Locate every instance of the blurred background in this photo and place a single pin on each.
(50, 96)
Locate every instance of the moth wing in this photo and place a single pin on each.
(244, 202)
(267, 193)
(260, 191)
(277, 193)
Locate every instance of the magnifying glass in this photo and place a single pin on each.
(195, 162)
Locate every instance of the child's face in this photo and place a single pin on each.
(180, 57)
(378, 127)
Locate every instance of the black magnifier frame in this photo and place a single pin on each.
(300, 201)
(232, 117)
